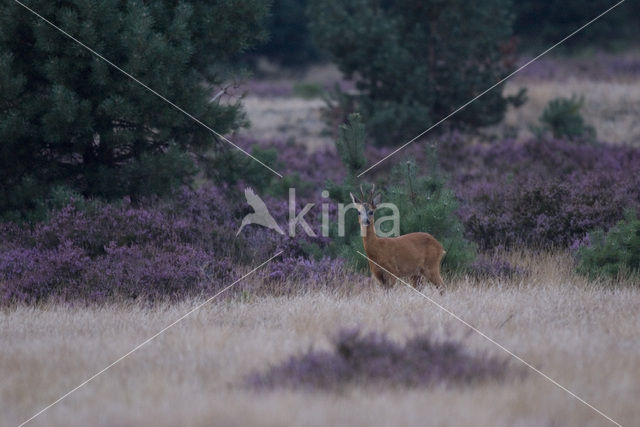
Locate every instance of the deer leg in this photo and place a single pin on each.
(415, 281)
(433, 275)
(437, 280)
(379, 276)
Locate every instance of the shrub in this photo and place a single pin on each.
(308, 90)
(68, 118)
(168, 249)
(426, 204)
(350, 146)
(561, 117)
(541, 193)
(614, 253)
(415, 63)
(373, 359)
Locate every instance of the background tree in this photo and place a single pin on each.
(66, 117)
(542, 23)
(424, 202)
(416, 61)
(290, 43)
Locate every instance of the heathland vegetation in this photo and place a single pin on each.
(119, 213)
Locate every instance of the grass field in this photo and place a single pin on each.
(583, 334)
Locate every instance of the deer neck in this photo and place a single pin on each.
(369, 239)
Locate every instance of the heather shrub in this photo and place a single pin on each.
(382, 42)
(166, 249)
(614, 253)
(562, 119)
(541, 193)
(306, 170)
(32, 274)
(288, 276)
(373, 359)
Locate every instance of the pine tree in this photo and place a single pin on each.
(68, 118)
(416, 61)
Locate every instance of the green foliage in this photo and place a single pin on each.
(561, 117)
(615, 253)
(68, 118)
(350, 144)
(543, 23)
(426, 204)
(290, 43)
(338, 106)
(308, 90)
(417, 61)
(229, 166)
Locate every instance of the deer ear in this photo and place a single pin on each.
(353, 199)
(376, 200)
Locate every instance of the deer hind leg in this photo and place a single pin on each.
(432, 274)
(415, 280)
(381, 277)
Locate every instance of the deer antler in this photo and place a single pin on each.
(363, 194)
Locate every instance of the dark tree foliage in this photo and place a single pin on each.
(290, 43)
(417, 61)
(542, 23)
(68, 118)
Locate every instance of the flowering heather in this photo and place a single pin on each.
(373, 359)
(541, 193)
(166, 249)
(313, 168)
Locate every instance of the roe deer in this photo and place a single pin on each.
(410, 256)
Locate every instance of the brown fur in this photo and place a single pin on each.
(410, 257)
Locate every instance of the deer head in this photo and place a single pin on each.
(366, 205)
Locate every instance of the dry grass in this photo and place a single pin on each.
(286, 118)
(584, 335)
(611, 107)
